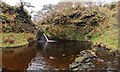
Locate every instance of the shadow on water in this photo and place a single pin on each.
(43, 55)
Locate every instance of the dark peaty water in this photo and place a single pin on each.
(42, 56)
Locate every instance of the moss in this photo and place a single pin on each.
(14, 39)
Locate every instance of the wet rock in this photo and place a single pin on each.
(98, 58)
(85, 66)
(56, 69)
(74, 65)
(64, 69)
(63, 55)
(75, 69)
(88, 54)
(78, 55)
(51, 57)
(85, 56)
(79, 59)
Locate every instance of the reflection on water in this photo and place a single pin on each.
(43, 55)
(18, 58)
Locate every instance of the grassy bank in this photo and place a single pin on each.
(109, 36)
(15, 39)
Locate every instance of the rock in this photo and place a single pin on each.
(85, 66)
(85, 56)
(63, 55)
(88, 53)
(74, 65)
(51, 57)
(56, 69)
(79, 59)
(78, 55)
(97, 58)
(94, 50)
(101, 45)
(63, 69)
(75, 69)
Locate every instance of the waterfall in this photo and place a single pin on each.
(45, 37)
(47, 40)
(42, 37)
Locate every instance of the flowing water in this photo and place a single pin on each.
(45, 37)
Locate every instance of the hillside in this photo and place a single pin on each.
(15, 19)
(96, 24)
(16, 26)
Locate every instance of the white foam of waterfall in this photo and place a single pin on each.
(45, 37)
(47, 40)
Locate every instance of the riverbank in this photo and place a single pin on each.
(97, 58)
(12, 40)
(108, 40)
(104, 53)
(107, 34)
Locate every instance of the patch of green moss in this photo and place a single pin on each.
(14, 39)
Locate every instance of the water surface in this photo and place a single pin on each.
(43, 56)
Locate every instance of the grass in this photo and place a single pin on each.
(14, 39)
(109, 36)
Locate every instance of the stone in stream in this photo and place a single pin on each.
(85, 55)
(85, 66)
(74, 65)
(97, 58)
(51, 57)
(63, 55)
(88, 54)
(79, 59)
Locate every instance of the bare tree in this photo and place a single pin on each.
(23, 3)
(48, 7)
(77, 4)
(89, 4)
(99, 3)
(63, 5)
(41, 14)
